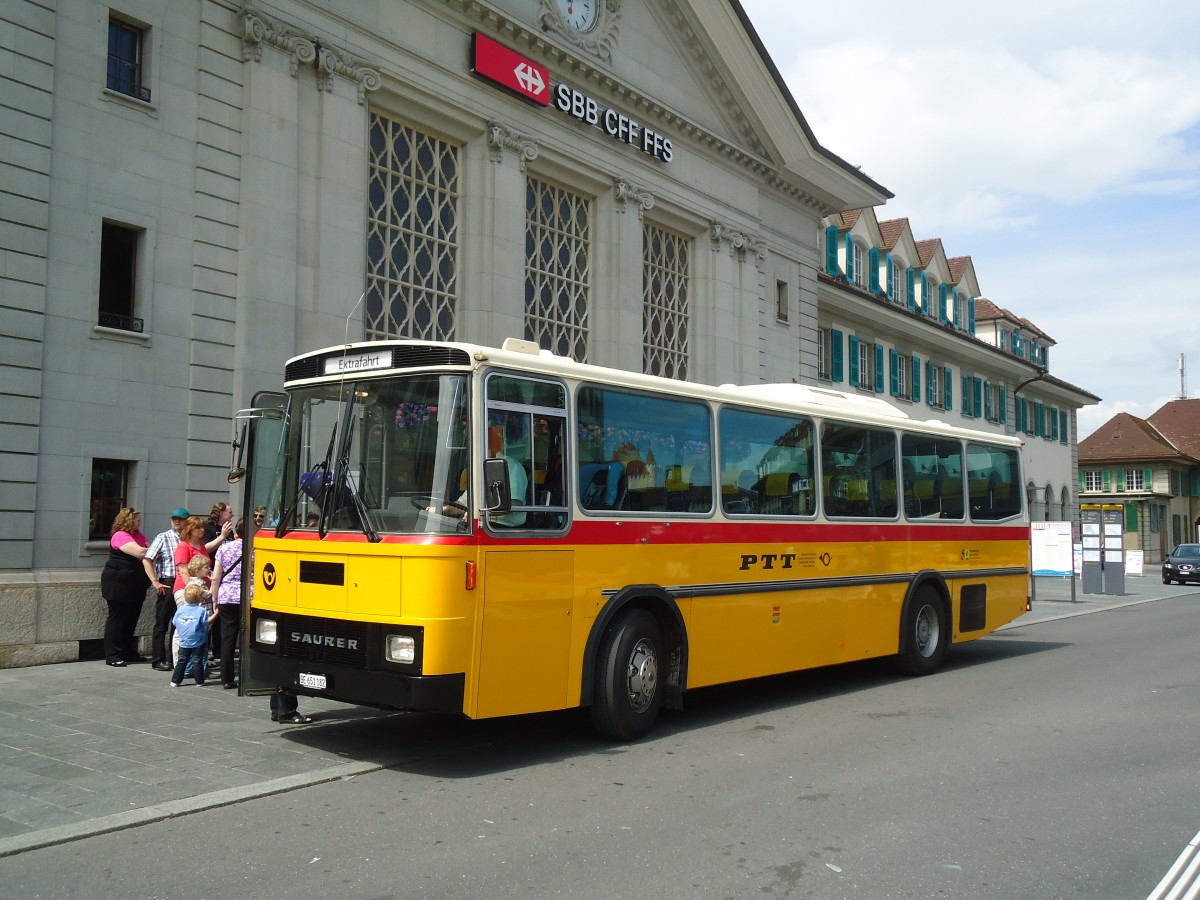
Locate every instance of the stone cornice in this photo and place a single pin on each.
(741, 244)
(625, 192)
(501, 138)
(305, 48)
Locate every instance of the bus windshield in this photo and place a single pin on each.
(387, 455)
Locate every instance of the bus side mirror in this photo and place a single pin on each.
(495, 480)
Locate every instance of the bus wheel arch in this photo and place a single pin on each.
(634, 613)
(925, 625)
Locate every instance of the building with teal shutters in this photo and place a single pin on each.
(1152, 467)
(900, 319)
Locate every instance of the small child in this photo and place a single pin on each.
(191, 625)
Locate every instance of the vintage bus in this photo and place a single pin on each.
(493, 531)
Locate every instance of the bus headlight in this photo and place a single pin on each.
(400, 648)
(266, 631)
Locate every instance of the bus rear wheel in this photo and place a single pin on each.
(628, 694)
(926, 634)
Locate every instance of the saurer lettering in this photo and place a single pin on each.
(324, 640)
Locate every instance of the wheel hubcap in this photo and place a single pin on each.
(643, 675)
(928, 631)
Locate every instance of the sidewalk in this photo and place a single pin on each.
(86, 749)
(1052, 597)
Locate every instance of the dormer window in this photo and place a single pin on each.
(860, 271)
(896, 282)
(930, 298)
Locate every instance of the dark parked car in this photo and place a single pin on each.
(1183, 565)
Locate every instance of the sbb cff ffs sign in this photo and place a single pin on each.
(510, 70)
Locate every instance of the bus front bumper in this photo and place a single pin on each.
(366, 687)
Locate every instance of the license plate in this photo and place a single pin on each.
(312, 682)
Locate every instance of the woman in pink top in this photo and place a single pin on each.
(123, 584)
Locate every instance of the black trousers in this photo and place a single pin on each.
(230, 617)
(119, 642)
(164, 611)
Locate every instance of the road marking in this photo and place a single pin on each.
(1182, 881)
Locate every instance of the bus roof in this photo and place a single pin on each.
(527, 356)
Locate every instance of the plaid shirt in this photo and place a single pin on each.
(162, 552)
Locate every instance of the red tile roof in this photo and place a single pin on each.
(891, 230)
(926, 249)
(1179, 420)
(849, 217)
(1125, 438)
(987, 311)
(958, 268)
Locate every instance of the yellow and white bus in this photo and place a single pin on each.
(499, 531)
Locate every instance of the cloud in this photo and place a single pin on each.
(975, 139)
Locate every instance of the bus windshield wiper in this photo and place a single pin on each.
(343, 488)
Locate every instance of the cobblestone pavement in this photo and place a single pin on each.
(86, 749)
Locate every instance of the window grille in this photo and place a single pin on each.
(664, 303)
(412, 233)
(557, 268)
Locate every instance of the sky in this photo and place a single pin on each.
(1056, 143)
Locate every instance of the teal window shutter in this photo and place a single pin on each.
(971, 315)
(1118, 479)
(1105, 480)
(1147, 479)
(849, 257)
(1131, 517)
(926, 306)
(1063, 436)
(977, 395)
(1082, 480)
(879, 368)
(930, 384)
(831, 251)
(943, 292)
(948, 381)
(1195, 484)
(1053, 424)
(1039, 419)
(1002, 402)
(910, 288)
(1000, 334)
(988, 413)
(891, 286)
(966, 395)
(1019, 410)
(916, 379)
(894, 372)
(873, 274)
(854, 374)
(835, 354)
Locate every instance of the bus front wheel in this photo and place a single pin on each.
(628, 693)
(926, 634)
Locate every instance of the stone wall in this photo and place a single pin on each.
(45, 614)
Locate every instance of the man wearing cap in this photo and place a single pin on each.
(159, 562)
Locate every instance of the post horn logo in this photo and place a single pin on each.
(269, 576)
(825, 559)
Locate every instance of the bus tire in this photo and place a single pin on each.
(628, 693)
(926, 633)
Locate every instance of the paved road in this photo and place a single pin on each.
(86, 749)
